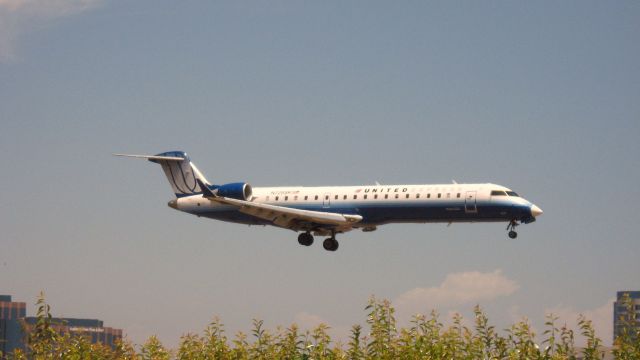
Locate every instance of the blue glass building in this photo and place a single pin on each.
(622, 318)
(11, 315)
(14, 325)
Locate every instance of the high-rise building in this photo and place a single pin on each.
(14, 325)
(624, 319)
(11, 315)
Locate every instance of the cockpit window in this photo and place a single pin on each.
(512, 193)
(498, 193)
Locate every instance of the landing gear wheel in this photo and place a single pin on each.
(330, 244)
(513, 234)
(305, 239)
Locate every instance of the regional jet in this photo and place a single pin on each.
(327, 211)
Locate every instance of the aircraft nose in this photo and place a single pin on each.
(173, 204)
(535, 211)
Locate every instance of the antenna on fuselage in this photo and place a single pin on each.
(377, 183)
(454, 181)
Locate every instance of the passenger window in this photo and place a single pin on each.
(407, 196)
(365, 196)
(316, 197)
(336, 198)
(417, 196)
(326, 197)
(306, 197)
(375, 196)
(386, 196)
(458, 196)
(344, 197)
(439, 195)
(355, 197)
(277, 197)
(286, 198)
(428, 195)
(397, 195)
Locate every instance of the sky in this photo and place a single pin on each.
(542, 97)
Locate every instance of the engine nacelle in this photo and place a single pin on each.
(240, 191)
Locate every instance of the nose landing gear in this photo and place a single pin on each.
(512, 229)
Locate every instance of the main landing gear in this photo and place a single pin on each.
(305, 239)
(329, 244)
(512, 229)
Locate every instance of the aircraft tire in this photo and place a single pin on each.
(305, 239)
(330, 244)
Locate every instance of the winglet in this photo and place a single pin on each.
(206, 192)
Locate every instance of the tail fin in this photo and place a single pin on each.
(182, 174)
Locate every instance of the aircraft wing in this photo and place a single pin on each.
(296, 219)
(290, 218)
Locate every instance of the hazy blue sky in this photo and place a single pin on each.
(542, 97)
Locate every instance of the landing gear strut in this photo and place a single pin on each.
(305, 239)
(512, 229)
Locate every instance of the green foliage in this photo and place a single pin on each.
(152, 349)
(43, 341)
(425, 338)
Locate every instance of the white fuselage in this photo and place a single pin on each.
(382, 204)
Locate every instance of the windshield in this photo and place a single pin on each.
(512, 193)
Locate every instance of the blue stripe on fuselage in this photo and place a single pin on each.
(377, 213)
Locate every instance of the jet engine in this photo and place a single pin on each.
(240, 191)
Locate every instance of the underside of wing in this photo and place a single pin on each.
(290, 218)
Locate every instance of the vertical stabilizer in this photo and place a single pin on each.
(182, 174)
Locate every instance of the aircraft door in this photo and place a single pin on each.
(326, 200)
(470, 202)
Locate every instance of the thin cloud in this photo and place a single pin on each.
(308, 321)
(20, 16)
(456, 289)
(601, 318)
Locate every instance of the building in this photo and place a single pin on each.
(14, 325)
(11, 315)
(622, 318)
(92, 329)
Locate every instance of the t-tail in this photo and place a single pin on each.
(184, 177)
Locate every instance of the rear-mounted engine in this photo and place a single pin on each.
(240, 191)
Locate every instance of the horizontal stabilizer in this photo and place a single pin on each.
(153, 157)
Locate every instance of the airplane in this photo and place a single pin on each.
(331, 210)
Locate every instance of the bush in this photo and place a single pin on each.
(426, 338)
